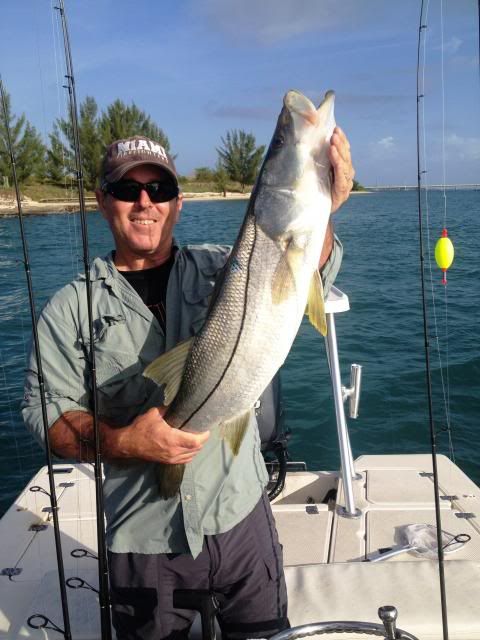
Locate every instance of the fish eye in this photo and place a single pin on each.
(278, 141)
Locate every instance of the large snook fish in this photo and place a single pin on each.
(269, 281)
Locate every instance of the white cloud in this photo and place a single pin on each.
(462, 147)
(271, 21)
(453, 45)
(387, 143)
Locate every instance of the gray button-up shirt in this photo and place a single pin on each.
(218, 488)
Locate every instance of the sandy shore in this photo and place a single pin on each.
(8, 206)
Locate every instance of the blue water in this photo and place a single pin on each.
(383, 331)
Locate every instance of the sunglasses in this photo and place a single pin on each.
(130, 190)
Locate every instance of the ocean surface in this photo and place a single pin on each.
(383, 331)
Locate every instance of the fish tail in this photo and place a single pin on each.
(169, 478)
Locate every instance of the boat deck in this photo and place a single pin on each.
(324, 551)
(327, 576)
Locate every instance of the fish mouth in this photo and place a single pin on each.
(299, 104)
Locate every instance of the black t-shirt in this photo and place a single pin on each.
(151, 286)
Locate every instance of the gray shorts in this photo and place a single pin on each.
(244, 565)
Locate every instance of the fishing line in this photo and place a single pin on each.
(62, 108)
(438, 519)
(52, 494)
(445, 385)
(66, 170)
(106, 630)
(9, 404)
(444, 176)
(40, 72)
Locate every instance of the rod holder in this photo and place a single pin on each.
(337, 302)
(352, 393)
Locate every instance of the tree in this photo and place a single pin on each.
(96, 132)
(61, 154)
(28, 148)
(60, 159)
(90, 143)
(357, 186)
(30, 158)
(122, 121)
(240, 157)
(221, 179)
(204, 174)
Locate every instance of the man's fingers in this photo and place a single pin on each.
(183, 458)
(341, 159)
(189, 440)
(343, 171)
(340, 141)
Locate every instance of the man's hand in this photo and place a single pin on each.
(152, 439)
(343, 171)
(148, 438)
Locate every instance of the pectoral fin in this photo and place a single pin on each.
(316, 304)
(283, 283)
(234, 430)
(168, 368)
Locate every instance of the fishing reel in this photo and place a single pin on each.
(274, 436)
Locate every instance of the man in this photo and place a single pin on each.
(218, 533)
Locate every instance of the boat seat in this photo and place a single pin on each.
(340, 592)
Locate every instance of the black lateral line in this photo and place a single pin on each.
(239, 335)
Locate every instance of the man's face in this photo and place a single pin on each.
(143, 230)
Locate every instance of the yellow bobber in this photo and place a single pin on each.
(444, 254)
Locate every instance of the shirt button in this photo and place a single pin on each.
(188, 497)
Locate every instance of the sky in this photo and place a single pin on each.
(201, 68)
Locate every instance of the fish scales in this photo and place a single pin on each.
(212, 356)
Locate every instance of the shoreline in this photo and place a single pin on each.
(31, 207)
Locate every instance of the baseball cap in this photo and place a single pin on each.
(123, 155)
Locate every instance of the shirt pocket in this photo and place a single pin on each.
(198, 302)
(122, 389)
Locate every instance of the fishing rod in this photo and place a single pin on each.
(39, 620)
(433, 437)
(105, 619)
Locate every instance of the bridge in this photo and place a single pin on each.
(436, 187)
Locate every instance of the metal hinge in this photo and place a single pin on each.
(38, 527)
(466, 515)
(311, 509)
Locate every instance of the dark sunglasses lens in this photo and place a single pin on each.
(126, 191)
(161, 191)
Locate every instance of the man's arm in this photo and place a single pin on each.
(148, 438)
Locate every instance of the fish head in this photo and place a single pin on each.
(296, 173)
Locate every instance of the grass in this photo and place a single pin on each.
(193, 186)
(44, 192)
(52, 193)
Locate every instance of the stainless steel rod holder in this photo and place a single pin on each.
(346, 459)
(352, 393)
